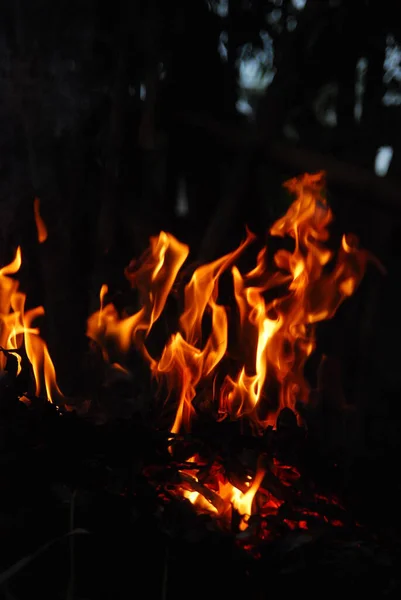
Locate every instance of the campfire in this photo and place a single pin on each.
(231, 371)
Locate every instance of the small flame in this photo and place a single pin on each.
(242, 501)
(104, 290)
(10, 321)
(14, 265)
(17, 331)
(40, 224)
(153, 276)
(229, 496)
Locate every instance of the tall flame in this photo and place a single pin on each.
(17, 331)
(10, 322)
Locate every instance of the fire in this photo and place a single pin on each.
(40, 224)
(276, 336)
(153, 276)
(251, 374)
(17, 334)
(225, 498)
(277, 310)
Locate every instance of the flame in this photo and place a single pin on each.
(282, 344)
(276, 336)
(228, 496)
(250, 374)
(184, 363)
(278, 307)
(153, 276)
(104, 290)
(40, 224)
(9, 321)
(17, 332)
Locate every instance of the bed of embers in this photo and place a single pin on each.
(205, 478)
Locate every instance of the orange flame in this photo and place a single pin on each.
(276, 336)
(183, 363)
(40, 224)
(153, 276)
(16, 332)
(277, 313)
(9, 320)
(228, 496)
(284, 328)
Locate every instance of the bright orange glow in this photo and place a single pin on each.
(40, 224)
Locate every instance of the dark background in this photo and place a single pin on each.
(132, 116)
